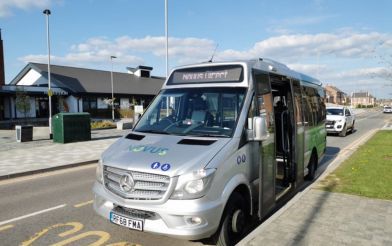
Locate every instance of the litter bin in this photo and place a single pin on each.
(71, 127)
(24, 133)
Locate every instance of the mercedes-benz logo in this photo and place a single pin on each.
(127, 183)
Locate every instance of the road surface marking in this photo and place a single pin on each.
(76, 227)
(32, 214)
(3, 228)
(103, 237)
(83, 204)
(124, 244)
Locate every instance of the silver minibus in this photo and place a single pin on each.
(222, 142)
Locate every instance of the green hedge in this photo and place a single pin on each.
(107, 113)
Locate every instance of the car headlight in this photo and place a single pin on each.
(338, 121)
(193, 185)
(99, 171)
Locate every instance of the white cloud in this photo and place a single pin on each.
(295, 47)
(311, 69)
(6, 6)
(372, 72)
(84, 59)
(129, 51)
(342, 58)
(292, 49)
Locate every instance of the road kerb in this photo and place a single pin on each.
(49, 169)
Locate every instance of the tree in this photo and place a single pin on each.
(22, 101)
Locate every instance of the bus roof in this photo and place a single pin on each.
(264, 64)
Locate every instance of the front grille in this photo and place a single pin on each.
(330, 122)
(147, 186)
(134, 213)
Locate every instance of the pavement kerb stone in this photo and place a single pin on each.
(251, 238)
(49, 169)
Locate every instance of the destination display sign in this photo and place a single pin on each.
(216, 74)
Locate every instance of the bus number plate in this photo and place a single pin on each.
(126, 222)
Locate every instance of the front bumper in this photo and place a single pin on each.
(334, 128)
(171, 218)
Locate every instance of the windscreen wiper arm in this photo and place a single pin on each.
(154, 131)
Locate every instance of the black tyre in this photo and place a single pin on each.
(234, 220)
(312, 167)
(343, 133)
(353, 127)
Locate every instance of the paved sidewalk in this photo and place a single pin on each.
(42, 154)
(326, 218)
(316, 217)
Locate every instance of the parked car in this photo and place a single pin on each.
(387, 109)
(340, 119)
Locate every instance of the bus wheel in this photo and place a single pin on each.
(312, 166)
(344, 131)
(234, 221)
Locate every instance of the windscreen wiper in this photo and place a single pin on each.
(209, 135)
(154, 131)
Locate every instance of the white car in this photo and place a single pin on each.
(387, 109)
(340, 119)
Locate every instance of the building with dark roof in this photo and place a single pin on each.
(78, 90)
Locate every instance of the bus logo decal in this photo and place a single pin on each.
(155, 165)
(165, 167)
(149, 149)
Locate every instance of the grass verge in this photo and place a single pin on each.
(368, 172)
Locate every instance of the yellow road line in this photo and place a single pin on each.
(3, 228)
(83, 204)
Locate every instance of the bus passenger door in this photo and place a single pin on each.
(266, 152)
(299, 131)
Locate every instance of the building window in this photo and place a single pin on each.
(89, 103)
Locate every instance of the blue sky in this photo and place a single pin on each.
(347, 44)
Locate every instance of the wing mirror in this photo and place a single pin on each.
(259, 131)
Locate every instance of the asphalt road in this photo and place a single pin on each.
(56, 208)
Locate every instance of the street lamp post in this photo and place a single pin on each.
(167, 38)
(47, 13)
(111, 77)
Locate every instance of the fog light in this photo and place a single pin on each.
(194, 220)
(339, 126)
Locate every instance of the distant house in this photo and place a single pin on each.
(362, 99)
(77, 90)
(335, 95)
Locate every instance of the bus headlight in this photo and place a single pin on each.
(194, 185)
(99, 171)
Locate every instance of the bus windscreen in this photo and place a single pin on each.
(211, 74)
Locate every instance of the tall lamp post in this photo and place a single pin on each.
(111, 78)
(167, 38)
(47, 13)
